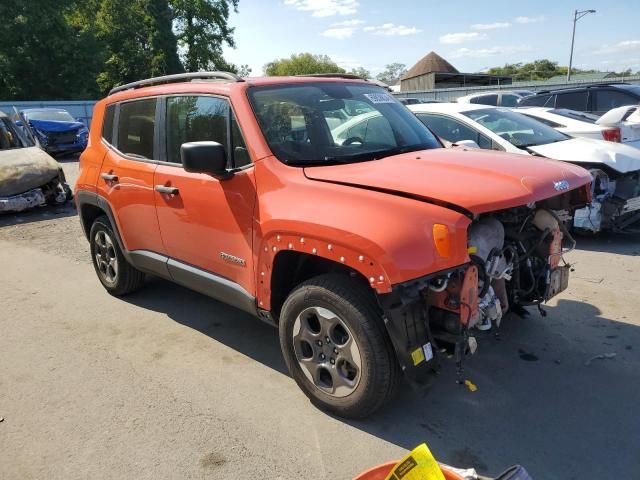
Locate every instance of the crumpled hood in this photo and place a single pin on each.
(56, 126)
(474, 180)
(618, 156)
(23, 169)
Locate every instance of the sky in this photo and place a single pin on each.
(471, 35)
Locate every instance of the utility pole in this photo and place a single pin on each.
(577, 15)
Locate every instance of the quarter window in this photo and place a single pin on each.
(136, 127)
(107, 124)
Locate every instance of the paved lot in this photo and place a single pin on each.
(170, 384)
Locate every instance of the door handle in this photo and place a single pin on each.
(167, 190)
(109, 177)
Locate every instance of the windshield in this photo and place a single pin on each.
(51, 115)
(519, 130)
(328, 123)
(10, 137)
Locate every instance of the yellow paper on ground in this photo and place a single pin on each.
(418, 464)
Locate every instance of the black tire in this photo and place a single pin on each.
(127, 279)
(355, 305)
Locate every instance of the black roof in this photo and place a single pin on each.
(624, 86)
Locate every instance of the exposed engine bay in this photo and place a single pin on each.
(516, 260)
(615, 203)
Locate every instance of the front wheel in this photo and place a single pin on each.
(336, 346)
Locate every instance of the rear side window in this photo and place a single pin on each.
(107, 124)
(573, 101)
(485, 100)
(136, 127)
(509, 100)
(534, 100)
(195, 119)
(608, 99)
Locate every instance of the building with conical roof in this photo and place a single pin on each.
(433, 71)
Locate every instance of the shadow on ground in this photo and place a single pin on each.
(38, 214)
(618, 243)
(539, 402)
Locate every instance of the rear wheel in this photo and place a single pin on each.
(336, 347)
(114, 272)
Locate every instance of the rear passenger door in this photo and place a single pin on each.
(126, 175)
(208, 222)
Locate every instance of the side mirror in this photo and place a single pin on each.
(19, 123)
(204, 157)
(467, 143)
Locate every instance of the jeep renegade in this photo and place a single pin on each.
(322, 206)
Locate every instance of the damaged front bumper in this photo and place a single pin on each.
(23, 201)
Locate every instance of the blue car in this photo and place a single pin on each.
(55, 129)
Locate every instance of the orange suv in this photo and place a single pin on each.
(322, 206)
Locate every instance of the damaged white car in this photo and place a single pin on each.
(28, 176)
(615, 167)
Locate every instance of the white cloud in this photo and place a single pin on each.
(348, 23)
(455, 38)
(392, 30)
(490, 26)
(538, 19)
(325, 8)
(620, 47)
(486, 52)
(339, 33)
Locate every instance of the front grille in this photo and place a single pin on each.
(58, 138)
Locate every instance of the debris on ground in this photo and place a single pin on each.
(602, 356)
(470, 385)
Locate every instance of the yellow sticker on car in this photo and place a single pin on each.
(418, 356)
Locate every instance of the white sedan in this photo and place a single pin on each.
(615, 167)
(613, 126)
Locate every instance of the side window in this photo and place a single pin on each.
(240, 154)
(573, 101)
(509, 100)
(486, 100)
(136, 127)
(484, 143)
(107, 123)
(451, 130)
(534, 100)
(608, 99)
(193, 119)
(550, 101)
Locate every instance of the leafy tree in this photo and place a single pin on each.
(392, 73)
(44, 56)
(360, 72)
(202, 30)
(138, 41)
(244, 71)
(302, 64)
(536, 70)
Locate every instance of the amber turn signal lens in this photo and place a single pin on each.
(442, 239)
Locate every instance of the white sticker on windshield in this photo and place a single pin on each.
(379, 98)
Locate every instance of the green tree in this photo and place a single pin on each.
(392, 73)
(360, 72)
(301, 64)
(202, 29)
(137, 39)
(44, 55)
(536, 70)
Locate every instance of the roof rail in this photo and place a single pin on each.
(333, 75)
(178, 77)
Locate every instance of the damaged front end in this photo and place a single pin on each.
(615, 204)
(515, 259)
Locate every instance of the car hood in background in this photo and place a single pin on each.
(621, 158)
(474, 180)
(23, 169)
(55, 126)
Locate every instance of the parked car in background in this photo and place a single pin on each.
(29, 177)
(358, 250)
(615, 167)
(627, 119)
(596, 99)
(55, 129)
(573, 123)
(504, 98)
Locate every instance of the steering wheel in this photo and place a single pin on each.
(352, 140)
